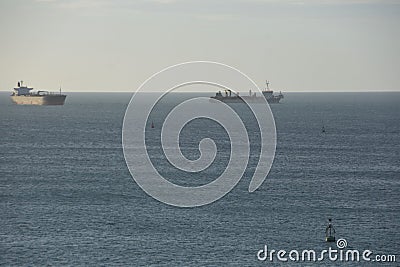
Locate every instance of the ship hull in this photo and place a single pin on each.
(250, 99)
(41, 100)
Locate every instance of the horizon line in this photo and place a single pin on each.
(327, 91)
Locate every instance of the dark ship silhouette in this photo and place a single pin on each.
(232, 97)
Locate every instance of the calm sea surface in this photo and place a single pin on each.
(67, 197)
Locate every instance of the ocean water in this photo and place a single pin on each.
(67, 197)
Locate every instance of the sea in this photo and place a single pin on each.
(67, 197)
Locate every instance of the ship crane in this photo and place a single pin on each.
(229, 91)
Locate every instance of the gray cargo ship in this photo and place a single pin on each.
(22, 95)
(232, 97)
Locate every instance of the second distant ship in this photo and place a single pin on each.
(232, 97)
(22, 95)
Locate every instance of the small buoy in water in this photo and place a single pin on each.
(330, 232)
(152, 124)
(323, 129)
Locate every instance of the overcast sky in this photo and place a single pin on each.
(105, 45)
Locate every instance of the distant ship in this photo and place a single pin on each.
(22, 95)
(231, 97)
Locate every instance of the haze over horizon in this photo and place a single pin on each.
(105, 46)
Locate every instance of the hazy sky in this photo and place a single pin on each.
(105, 45)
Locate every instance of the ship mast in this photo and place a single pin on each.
(267, 83)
